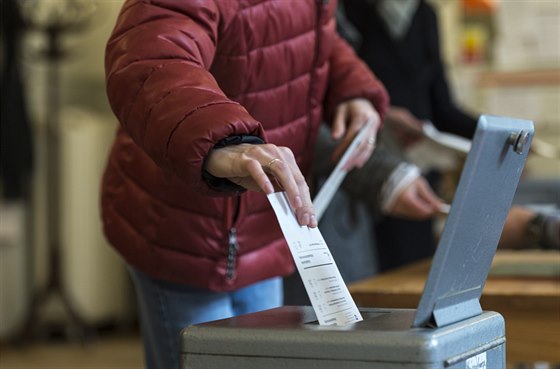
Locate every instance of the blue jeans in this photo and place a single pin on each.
(165, 308)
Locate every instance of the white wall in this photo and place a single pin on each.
(526, 42)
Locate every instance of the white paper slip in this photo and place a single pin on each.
(328, 293)
(449, 140)
(444, 209)
(331, 185)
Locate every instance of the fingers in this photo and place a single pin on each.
(339, 122)
(349, 118)
(426, 201)
(255, 167)
(293, 182)
(281, 169)
(417, 201)
(515, 233)
(422, 209)
(364, 150)
(259, 176)
(351, 131)
(412, 206)
(427, 195)
(263, 162)
(403, 119)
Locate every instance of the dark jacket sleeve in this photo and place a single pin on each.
(363, 184)
(349, 78)
(447, 116)
(157, 61)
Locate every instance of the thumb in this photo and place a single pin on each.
(338, 125)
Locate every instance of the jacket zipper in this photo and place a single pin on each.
(232, 253)
(232, 241)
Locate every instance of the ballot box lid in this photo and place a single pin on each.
(478, 212)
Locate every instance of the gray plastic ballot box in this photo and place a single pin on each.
(447, 330)
(290, 337)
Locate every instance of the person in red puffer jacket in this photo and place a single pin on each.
(215, 98)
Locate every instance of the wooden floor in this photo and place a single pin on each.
(116, 351)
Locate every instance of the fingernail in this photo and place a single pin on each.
(268, 188)
(305, 219)
(313, 221)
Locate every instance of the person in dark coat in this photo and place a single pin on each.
(400, 43)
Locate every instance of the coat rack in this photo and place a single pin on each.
(54, 21)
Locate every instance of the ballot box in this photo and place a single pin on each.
(448, 329)
(289, 337)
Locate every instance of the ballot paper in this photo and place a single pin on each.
(331, 185)
(449, 140)
(328, 293)
(444, 209)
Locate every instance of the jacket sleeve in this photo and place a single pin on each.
(158, 84)
(349, 78)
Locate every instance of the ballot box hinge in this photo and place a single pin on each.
(445, 314)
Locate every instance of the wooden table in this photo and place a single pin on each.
(529, 304)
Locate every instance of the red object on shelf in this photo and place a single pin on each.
(479, 6)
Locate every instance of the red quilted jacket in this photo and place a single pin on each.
(182, 75)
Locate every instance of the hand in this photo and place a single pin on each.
(349, 117)
(417, 201)
(515, 233)
(406, 127)
(256, 167)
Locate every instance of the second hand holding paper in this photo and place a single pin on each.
(331, 185)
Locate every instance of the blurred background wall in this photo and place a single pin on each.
(503, 58)
(92, 281)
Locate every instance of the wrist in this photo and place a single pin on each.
(220, 184)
